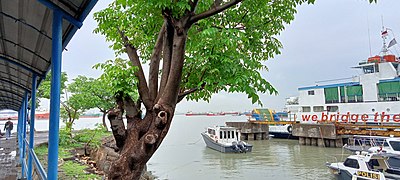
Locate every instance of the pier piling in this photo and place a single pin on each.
(251, 131)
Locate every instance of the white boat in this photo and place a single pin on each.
(365, 166)
(389, 146)
(225, 139)
(279, 130)
(371, 97)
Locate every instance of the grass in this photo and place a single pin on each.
(72, 169)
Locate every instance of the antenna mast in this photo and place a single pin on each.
(369, 38)
(384, 34)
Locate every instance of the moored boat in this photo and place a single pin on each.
(195, 114)
(225, 139)
(389, 146)
(278, 130)
(365, 166)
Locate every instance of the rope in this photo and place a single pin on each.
(194, 142)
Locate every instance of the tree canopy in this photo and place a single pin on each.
(223, 52)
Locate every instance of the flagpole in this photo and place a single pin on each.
(384, 34)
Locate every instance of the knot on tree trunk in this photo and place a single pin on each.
(157, 107)
(112, 114)
(161, 119)
(150, 139)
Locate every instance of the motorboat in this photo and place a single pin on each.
(387, 145)
(225, 139)
(364, 165)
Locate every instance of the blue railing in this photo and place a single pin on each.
(26, 147)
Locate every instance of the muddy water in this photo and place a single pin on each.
(183, 155)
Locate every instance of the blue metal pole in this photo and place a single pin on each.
(25, 107)
(19, 131)
(55, 95)
(32, 126)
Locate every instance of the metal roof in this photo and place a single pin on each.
(25, 42)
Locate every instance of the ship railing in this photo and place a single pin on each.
(389, 97)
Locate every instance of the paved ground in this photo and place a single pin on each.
(8, 153)
(8, 168)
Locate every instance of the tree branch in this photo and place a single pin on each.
(155, 64)
(171, 91)
(167, 56)
(134, 58)
(213, 11)
(182, 95)
(193, 5)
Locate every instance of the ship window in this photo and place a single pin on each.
(220, 134)
(353, 163)
(237, 136)
(395, 145)
(389, 91)
(332, 108)
(318, 108)
(331, 95)
(306, 109)
(351, 94)
(224, 134)
(229, 134)
(311, 92)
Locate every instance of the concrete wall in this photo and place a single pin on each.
(327, 131)
(246, 127)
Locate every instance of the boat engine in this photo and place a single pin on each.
(236, 147)
(242, 146)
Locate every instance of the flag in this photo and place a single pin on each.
(392, 43)
(384, 33)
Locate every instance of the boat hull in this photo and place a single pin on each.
(341, 174)
(282, 135)
(220, 147)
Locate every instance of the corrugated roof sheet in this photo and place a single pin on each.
(25, 43)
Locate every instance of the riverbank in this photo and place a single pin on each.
(85, 155)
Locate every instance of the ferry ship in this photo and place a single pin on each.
(372, 97)
(8, 115)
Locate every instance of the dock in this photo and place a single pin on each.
(251, 131)
(317, 134)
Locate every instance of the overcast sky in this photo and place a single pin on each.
(322, 43)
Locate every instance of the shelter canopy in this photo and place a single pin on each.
(25, 42)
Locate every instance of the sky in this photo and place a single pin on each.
(324, 41)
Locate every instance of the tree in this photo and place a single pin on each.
(44, 88)
(95, 94)
(77, 101)
(194, 49)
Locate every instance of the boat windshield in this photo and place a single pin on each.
(211, 131)
(395, 145)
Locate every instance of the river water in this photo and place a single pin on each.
(183, 154)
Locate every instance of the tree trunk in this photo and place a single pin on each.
(141, 144)
(104, 121)
(142, 137)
